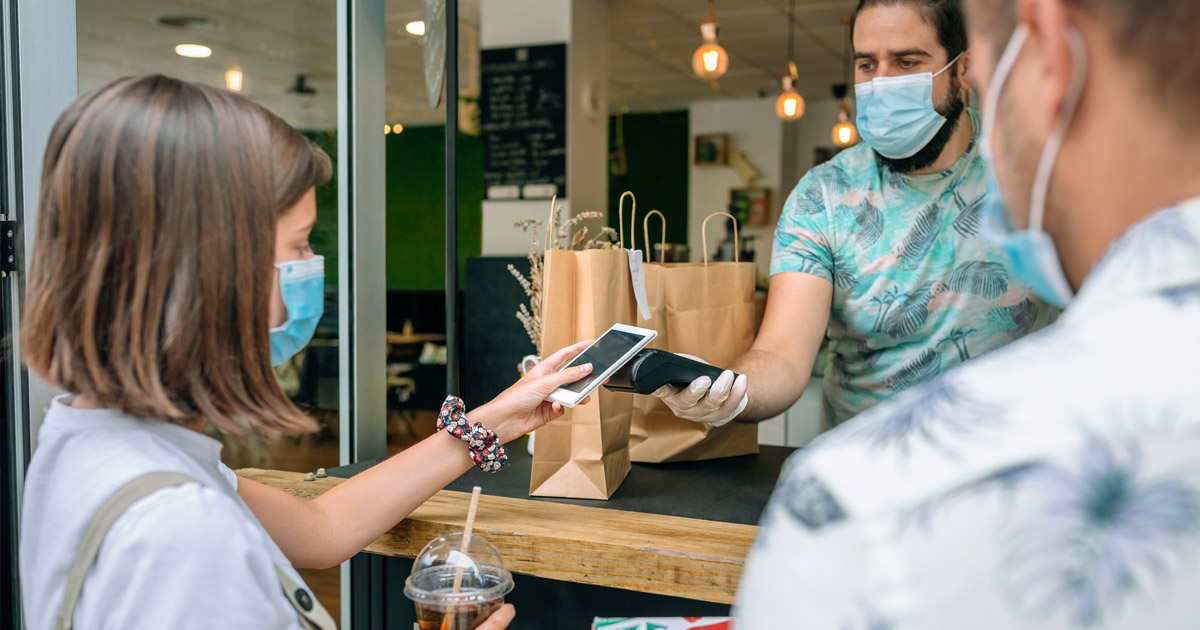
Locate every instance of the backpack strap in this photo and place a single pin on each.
(312, 615)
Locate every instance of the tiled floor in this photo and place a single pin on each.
(307, 453)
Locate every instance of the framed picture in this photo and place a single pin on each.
(752, 205)
(712, 149)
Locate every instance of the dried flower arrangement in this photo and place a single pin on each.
(531, 316)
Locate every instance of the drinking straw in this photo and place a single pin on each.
(466, 542)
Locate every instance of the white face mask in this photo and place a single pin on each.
(896, 116)
(1032, 252)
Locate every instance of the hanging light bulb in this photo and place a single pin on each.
(710, 61)
(790, 106)
(844, 132)
(233, 79)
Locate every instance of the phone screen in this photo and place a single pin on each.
(602, 354)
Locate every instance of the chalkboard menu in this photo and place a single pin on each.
(523, 120)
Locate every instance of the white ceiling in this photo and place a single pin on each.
(273, 41)
(651, 44)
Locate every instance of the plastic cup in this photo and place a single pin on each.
(481, 592)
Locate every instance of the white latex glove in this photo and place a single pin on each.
(704, 401)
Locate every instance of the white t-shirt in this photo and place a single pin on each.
(187, 556)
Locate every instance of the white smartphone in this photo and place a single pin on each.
(607, 354)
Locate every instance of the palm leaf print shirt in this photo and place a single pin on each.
(916, 290)
(1052, 484)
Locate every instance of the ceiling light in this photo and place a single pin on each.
(387, 129)
(397, 128)
(844, 132)
(193, 50)
(416, 28)
(710, 61)
(790, 105)
(233, 80)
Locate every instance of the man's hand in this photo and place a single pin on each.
(707, 402)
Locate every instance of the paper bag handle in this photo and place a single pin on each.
(646, 236)
(621, 219)
(737, 244)
(550, 220)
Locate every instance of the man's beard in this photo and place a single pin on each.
(952, 111)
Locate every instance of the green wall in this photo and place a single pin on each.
(324, 234)
(415, 205)
(416, 201)
(656, 149)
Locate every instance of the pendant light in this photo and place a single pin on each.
(234, 79)
(710, 61)
(790, 105)
(844, 132)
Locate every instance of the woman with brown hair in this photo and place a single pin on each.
(171, 270)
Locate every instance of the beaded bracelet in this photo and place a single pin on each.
(482, 443)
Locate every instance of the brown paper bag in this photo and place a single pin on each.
(705, 310)
(584, 454)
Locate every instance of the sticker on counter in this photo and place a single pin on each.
(663, 623)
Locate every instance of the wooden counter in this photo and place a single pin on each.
(652, 553)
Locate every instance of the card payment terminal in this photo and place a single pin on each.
(650, 369)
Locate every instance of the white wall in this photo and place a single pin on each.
(798, 425)
(505, 24)
(815, 129)
(583, 26)
(587, 106)
(755, 130)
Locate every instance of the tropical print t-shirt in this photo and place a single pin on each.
(1053, 484)
(916, 290)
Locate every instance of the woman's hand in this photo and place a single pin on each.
(523, 407)
(500, 619)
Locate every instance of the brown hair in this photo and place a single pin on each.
(151, 274)
(1156, 36)
(945, 16)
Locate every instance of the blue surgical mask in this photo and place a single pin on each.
(1031, 252)
(896, 115)
(302, 284)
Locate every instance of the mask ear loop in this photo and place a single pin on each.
(1041, 181)
(947, 66)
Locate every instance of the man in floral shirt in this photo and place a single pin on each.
(879, 250)
(1054, 483)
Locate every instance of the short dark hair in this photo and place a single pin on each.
(945, 16)
(1158, 36)
(151, 272)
